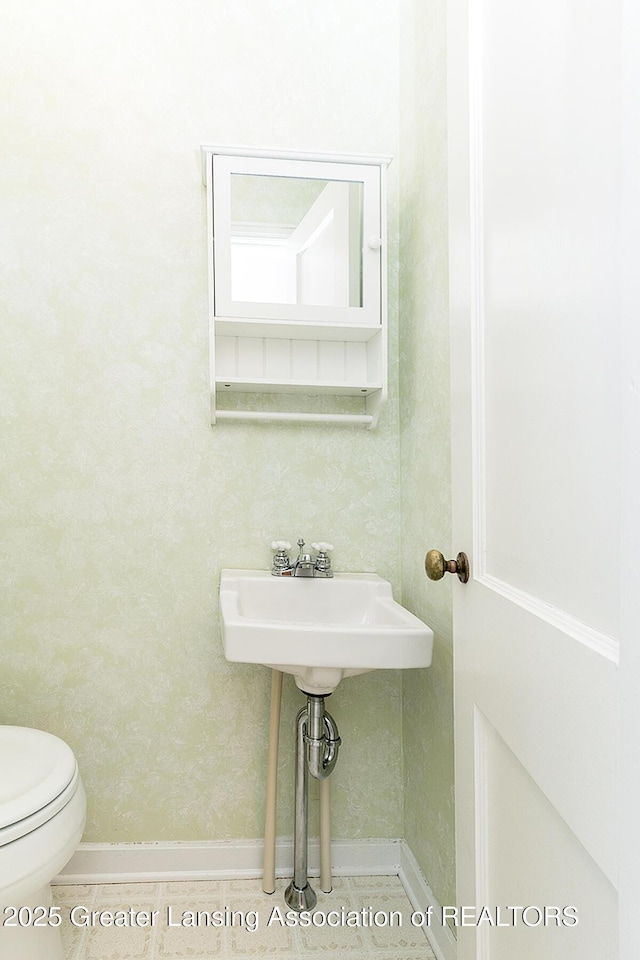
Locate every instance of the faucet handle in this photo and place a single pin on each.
(323, 561)
(322, 547)
(280, 545)
(281, 563)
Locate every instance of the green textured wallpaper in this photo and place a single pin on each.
(425, 431)
(119, 503)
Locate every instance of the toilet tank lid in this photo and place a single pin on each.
(35, 767)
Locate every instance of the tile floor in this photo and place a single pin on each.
(250, 923)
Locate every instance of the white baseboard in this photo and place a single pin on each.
(220, 860)
(242, 859)
(441, 938)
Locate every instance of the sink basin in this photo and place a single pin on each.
(319, 630)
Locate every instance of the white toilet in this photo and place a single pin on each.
(42, 816)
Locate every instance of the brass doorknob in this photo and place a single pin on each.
(436, 566)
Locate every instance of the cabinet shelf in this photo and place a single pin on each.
(296, 329)
(274, 365)
(306, 387)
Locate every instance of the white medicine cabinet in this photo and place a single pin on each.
(297, 285)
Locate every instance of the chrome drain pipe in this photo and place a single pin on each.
(317, 744)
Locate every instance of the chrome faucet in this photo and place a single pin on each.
(304, 565)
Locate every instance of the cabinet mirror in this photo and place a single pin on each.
(296, 240)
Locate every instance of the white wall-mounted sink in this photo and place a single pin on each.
(319, 630)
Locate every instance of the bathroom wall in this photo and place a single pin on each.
(424, 431)
(119, 503)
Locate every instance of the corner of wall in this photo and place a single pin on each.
(425, 439)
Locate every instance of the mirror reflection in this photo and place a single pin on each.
(296, 240)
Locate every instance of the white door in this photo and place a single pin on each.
(537, 175)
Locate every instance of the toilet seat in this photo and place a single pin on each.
(38, 777)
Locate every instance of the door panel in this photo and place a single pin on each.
(533, 860)
(546, 154)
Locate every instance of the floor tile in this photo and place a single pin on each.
(363, 918)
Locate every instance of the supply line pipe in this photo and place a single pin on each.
(326, 882)
(269, 857)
